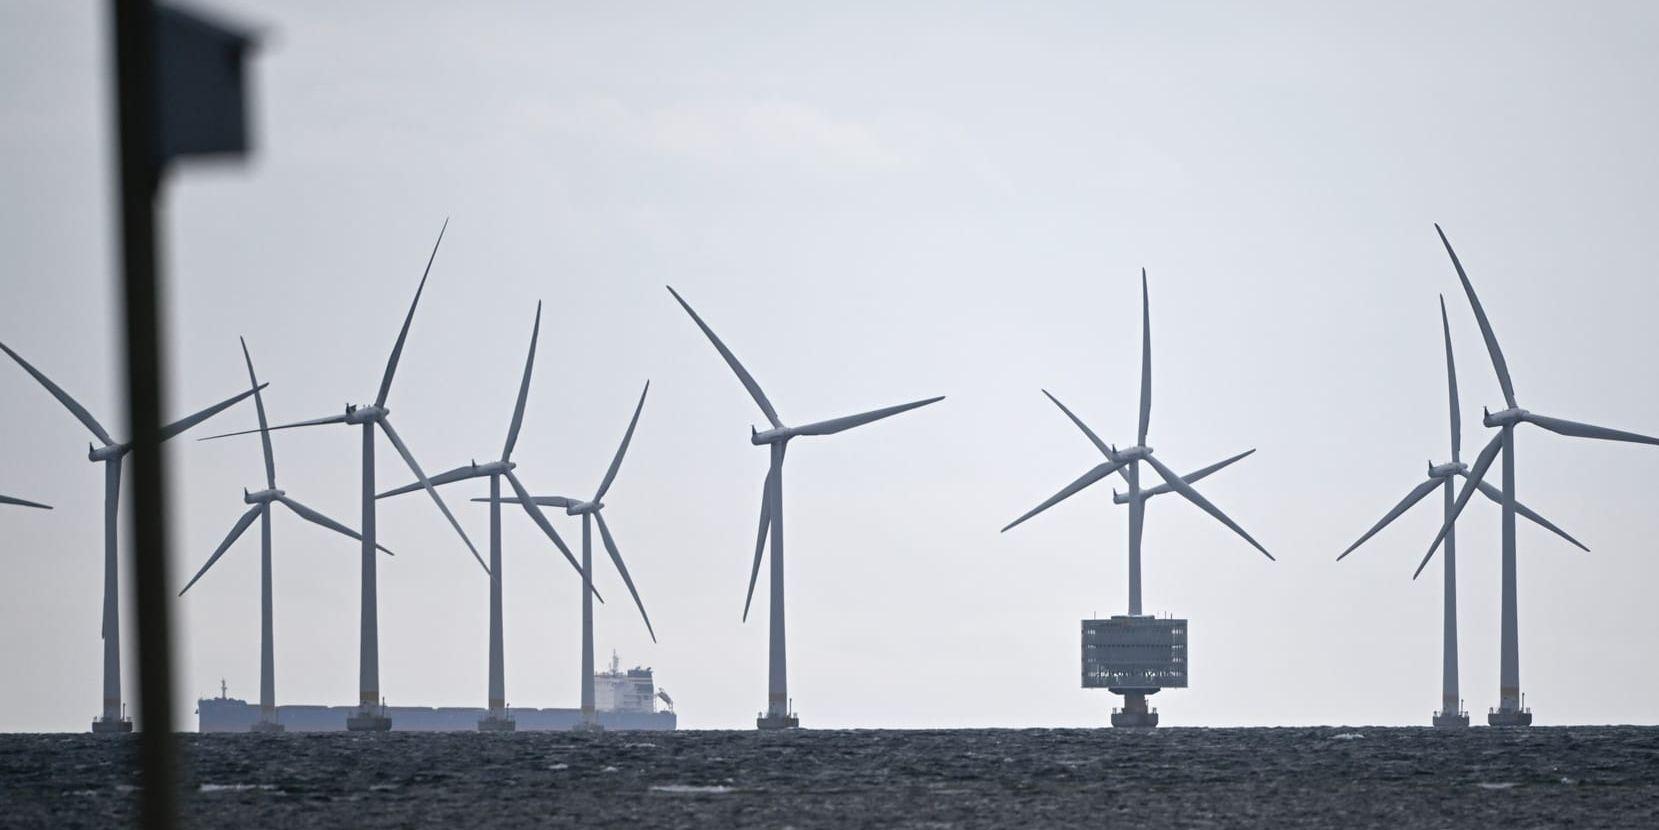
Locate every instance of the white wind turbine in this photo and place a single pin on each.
(778, 710)
(261, 509)
(1126, 463)
(370, 715)
(1510, 711)
(110, 454)
(497, 719)
(591, 512)
(1444, 476)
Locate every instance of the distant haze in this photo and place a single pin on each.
(871, 204)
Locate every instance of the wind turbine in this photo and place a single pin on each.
(1444, 476)
(591, 512)
(261, 509)
(778, 714)
(497, 719)
(1509, 711)
(23, 502)
(110, 455)
(370, 715)
(1126, 463)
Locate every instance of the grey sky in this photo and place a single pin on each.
(872, 205)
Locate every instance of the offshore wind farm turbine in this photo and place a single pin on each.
(1444, 477)
(779, 714)
(1510, 711)
(1135, 629)
(113, 719)
(590, 511)
(370, 715)
(496, 719)
(261, 509)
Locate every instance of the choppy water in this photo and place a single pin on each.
(1326, 777)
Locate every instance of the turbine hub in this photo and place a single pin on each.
(365, 414)
(263, 496)
(1508, 417)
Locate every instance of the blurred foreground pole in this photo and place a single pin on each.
(178, 82)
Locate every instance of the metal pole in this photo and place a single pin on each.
(140, 174)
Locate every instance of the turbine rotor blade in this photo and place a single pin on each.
(264, 426)
(532, 506)
(317, 518)
(1099, 472)
(63, 397)
(1498, 363)
(1451, 385)
(1195, 476)
(175, 428)
(1483, 462)
(543, 501)
(415, 467)
(235, 533)
(1574, 429)
(460, 473)
(523, 389)
(760, 540)
(1416, 495)
(743, 375)
(1146, 360)
(834, 425)
(327, 419)
(616, 462)
(24, 503)
(1204, 504)
(1093, 438)
(616, 559)
(403, 333)
(1496, 496)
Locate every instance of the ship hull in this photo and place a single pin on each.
(233, 715)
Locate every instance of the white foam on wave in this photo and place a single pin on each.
(691, 789)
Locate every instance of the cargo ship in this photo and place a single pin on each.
(624, 700)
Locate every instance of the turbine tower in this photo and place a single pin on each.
(261, 510)
(1444, 477)
(1136, 629)
(1510, 711)
(779, 714)
(591, 512)
(370, 714)
(23, 502)
(113, 718)
(497, 719)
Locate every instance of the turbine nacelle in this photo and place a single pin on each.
(579, 508)
(494, 468)
(1447, 470)
(771, 436)
(108, 452)
(1506, 418)
(366, 414)
(262, 496)
(1131, 454)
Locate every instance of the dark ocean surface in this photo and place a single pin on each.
(1303, 777)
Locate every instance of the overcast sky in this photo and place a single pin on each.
(871, 204)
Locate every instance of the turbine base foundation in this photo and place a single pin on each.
(370, 720)
(497, 723)
(111, 726)
(1135, 714)
(1513, 717)
(1451, 720)
(769, 722)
